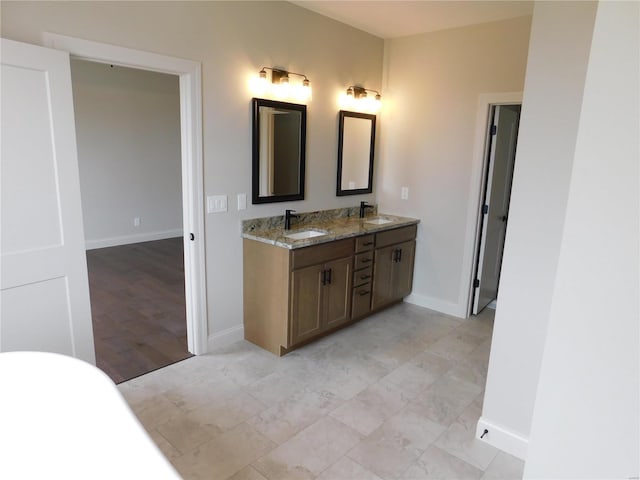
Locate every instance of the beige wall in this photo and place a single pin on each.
(433, 82)
(128, 136)
(232, 40)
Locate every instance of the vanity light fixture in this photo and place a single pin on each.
(358, 98)
(280, 85)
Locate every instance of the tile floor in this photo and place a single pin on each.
(395, 396)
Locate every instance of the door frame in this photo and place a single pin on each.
(477, 187)
(190, 75)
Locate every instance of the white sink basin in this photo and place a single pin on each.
(303, 234)
(378, 221)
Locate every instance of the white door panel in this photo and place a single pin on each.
(501, 162)
(44, 288)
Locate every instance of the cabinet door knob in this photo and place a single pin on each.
(329, 276)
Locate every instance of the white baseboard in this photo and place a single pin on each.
(127, 239)
(225, 337)
(441, 306)
(503, 438)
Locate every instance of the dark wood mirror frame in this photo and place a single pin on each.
(340, 192)
(257, 198)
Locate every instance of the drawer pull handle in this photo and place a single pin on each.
(366, 244)
(364, 277)
(364, 292)
(365, 260)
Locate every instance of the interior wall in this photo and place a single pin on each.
(558, 57)
(128, 138)
(232, 40)
(432, 85)
(586, 422)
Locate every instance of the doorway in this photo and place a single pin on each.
(189, 74)
(128, 141)
(502, 138)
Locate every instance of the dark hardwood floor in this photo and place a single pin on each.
(138, 307)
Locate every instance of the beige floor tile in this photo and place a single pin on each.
(184, 434)
(456, 345)
(347, 469)
(445, 399)
(191, 396)
(165, 447)
(135, 394)
(155, 411)
(399, 442)
(471, 372)
(288, 417)
(276, 387)
(225, 411)
(248, 473)
(224, 455)
(253, 367)
(371, 407)
(418, 374)
(309, 452)
(504, 467)
(459, 439)
(436, 464)
(480, 326)
(393, 376)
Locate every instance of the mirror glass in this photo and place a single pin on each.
(279, 132)
(356, 140)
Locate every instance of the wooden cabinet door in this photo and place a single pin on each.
(337, 298)
(403, 270)
(383, 273)
(393, 273)
(306, 303)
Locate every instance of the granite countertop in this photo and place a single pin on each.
(336, 228)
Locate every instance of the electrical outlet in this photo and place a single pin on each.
(136, 222)
(404, 193)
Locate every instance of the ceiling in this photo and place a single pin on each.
(390, 19)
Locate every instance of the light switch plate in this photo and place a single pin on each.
(216, 203)
(242, 201)
(404, 193)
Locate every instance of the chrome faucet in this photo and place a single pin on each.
(363, 207)
(288, 215)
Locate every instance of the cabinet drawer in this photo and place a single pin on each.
(303, 257)
(361, 301)
(363, 260)
(396, 236)
(362, 277)
(364, 243)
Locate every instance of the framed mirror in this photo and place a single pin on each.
(356, 140)
(279, 136)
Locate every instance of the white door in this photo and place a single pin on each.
(496, 205)
(44, 288)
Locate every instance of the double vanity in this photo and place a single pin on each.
(308, 274)
(330, 269)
